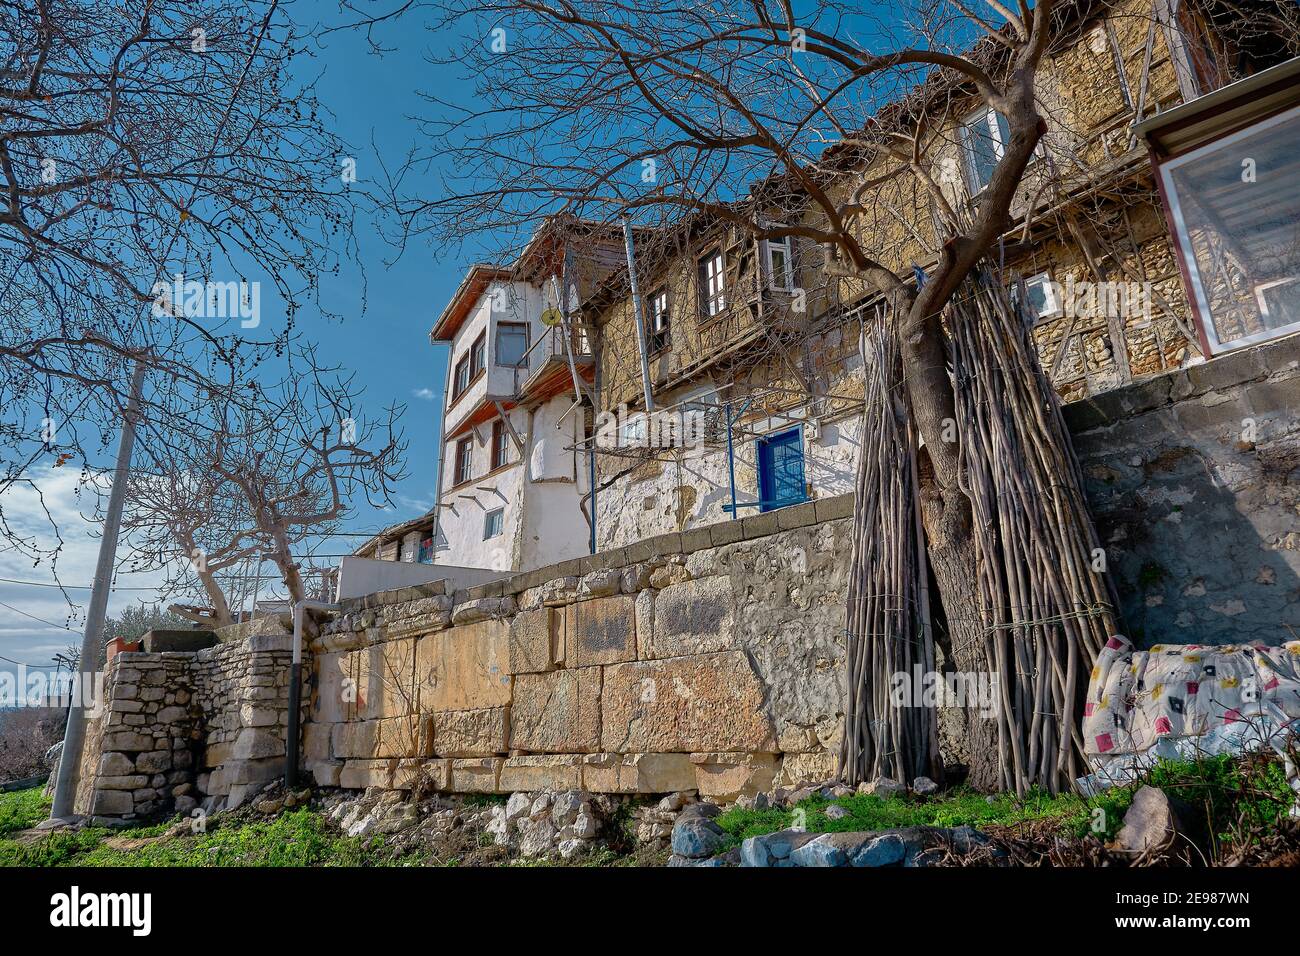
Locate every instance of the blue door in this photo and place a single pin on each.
(780, 469)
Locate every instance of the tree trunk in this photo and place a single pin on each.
(966, 735)
(216, 597)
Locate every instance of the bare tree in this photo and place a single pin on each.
(144, 144)
(782, 124)
(268, 469)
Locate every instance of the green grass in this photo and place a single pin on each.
(1226, 788)
(869, 812)
(298, 838)
(22, 810)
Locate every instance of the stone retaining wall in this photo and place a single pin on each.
(1194, 482)
(177, 728)
(709, 660)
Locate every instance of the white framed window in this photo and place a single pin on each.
(713, 292)
(1236, 213)
(493, 522)
(780, 263)
(511, 343)
(1041, 301)
(984, 137)
(660, 321)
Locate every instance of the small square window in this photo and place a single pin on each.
(1040, 297)
(493, 522)
(511, 343)
(634, 432)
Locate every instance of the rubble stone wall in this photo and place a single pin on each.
(177, 728)
(1194, 482)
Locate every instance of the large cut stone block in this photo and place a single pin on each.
(604, 631)
(532, 640)
(354, 740)
(637, 773)
(359, 774)
(471, 733)
(727, 776)
(112, 803)
(434, 773)
(540, 773)
(712, 702)
(465, 668)
(316, 741)
(693, 617)
(557, 712)
(816, 767)
(385, 676)
(390, 737)
(476, 775)
(330, 703)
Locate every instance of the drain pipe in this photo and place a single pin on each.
(295, 690)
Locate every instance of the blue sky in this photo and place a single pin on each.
(373, 99)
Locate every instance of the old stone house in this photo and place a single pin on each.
(1115, 250)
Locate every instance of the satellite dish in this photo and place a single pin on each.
(552, 317)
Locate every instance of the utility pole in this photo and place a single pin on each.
(639, 316)
(92, 643)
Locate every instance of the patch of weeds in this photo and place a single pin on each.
(870, 812)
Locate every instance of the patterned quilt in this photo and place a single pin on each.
(1186, 699)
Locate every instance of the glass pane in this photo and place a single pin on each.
(1238, 215)
(780, 267)
(512, 343)
(983, 150)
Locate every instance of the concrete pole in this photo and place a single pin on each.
(92, 642)
(639, 311)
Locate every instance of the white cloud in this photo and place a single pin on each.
(424, 394)
(22, 638)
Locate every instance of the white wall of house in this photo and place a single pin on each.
(538, 491)
(678, 494)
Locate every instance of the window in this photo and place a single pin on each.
(464, 460)
(1040, 297)
(984, 139)
(500, 444)
(469, 366)
(634, 432)
(780, 263)
(713, 297)
(492, 523)
(512, 343)
(780, 470)
(1236, 215)
(462, 377)
(660, 334)
(478, 355)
